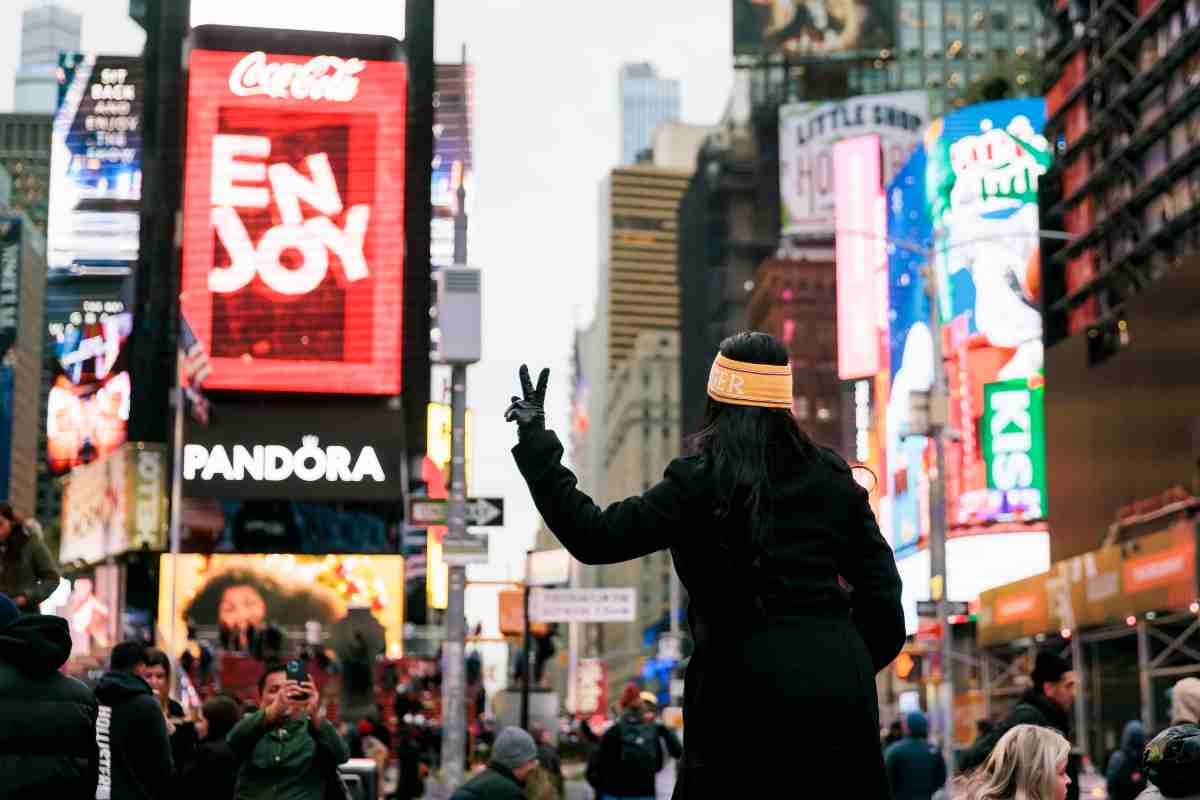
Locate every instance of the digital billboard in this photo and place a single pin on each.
(96, 164)
(293, 247)
(285, 526)
(230, 597)
(807, 134)
(115, 504)
(970, 197)
(860, 247)
(274, 449)
(815, 28)
(87, 410)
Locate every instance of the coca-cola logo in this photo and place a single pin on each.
(320, 78)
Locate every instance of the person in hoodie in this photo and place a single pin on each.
(1047, 704)
(131, 732)
(287, 749)
(1125, 776)
(47, 720)
(915, 768)
(209, 772)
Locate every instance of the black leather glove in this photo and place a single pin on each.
(529, 412)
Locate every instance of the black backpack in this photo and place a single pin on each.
(640, 751)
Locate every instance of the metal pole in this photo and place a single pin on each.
(1081, 697)
(176, 508)
(454, 695)
(526, 652)
(1144, 678)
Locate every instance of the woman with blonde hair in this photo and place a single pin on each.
(1029, 763)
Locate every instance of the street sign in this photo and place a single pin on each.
(583, 605)
(481, 511)
(670, 647)
(458, 552)
(954, 608)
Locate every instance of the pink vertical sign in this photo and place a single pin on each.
(856, 189)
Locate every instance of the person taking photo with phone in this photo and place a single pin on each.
(287, 748)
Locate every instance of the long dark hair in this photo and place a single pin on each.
(17, 537)
(748, 446)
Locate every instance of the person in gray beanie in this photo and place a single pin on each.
(514, 756)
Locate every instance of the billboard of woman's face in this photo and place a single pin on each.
(238, 595)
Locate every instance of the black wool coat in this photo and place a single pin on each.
(779, 641)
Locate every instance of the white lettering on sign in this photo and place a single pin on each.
(1012, 464)
(274, 462)
(862, 421)
(240, 179)
(321, 78)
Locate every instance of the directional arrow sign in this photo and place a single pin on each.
(480, 511)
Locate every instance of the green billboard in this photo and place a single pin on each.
(1014, 447)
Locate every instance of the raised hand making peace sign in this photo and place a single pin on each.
(529, 412)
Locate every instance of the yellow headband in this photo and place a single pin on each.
(740, 383)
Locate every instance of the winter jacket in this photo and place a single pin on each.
(1172, 763)
(1034, 708)
(291, 761)
(208, 773)
(915, 768)
(47, 720)
(1125, 777)
(494, 783)
(27, 569)
(131, 732)
(773, 614)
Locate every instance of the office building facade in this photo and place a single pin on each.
(646, 101)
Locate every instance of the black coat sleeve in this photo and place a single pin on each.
(625, 530)
(674, 746)
(869, 565)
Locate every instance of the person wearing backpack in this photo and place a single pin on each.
(630, 754)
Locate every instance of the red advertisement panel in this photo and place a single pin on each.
(293, 249)
(859, 249)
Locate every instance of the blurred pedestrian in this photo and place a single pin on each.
(47, 720)
(895, 733)
(1125, 777)
(1185, 702)
(915, 768)
(1029, 762)
(1172, 763)
(287, 749)
(667, 739)
(28, 572)
(131, 731)
(514, 757)
(549, 762)
(1047, 703)
(209, 771)
(182, 732)
(630, 753)
(766, 529)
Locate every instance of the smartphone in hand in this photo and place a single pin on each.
(298, 673)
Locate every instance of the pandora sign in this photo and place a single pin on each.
(293, 250)
(281, 450)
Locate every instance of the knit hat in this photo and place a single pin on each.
(8, 611)
(630, 696)
(1185, 701)
(514, 748)
(1048, 668)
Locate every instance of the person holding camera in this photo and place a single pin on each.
(287, 748)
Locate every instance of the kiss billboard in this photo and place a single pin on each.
(293, 251)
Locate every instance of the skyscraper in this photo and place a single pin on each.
(46, 29)
(646, 102)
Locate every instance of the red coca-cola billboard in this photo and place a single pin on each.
(293, 251)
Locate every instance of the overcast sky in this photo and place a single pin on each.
(546, 132)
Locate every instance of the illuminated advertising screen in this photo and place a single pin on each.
(813, 29)
(859, 251)
(284, 526)
(95, 164)
(278, 450)
(87, 410)
(293, 247)
(971, 196)
(230, 597)
(115, 504)
(451, 168)
(807, 134)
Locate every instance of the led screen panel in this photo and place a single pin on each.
(293, 249)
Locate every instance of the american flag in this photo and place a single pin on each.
(194, 368)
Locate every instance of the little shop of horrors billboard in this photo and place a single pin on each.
(293, 251)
